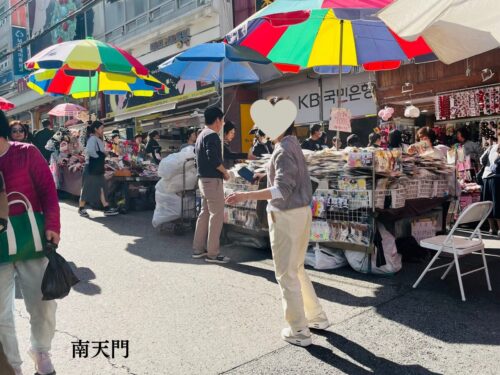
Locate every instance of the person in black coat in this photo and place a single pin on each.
(229, 156)
(42, 137)
(153, 148)
(261, 144)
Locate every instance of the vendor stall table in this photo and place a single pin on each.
(133, 192)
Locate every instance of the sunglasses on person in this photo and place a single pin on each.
(17, 130)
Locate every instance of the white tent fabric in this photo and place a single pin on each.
(454, 29)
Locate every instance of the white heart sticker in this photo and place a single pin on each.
(273, 120)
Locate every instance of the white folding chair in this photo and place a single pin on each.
(459, 246)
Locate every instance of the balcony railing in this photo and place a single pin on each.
(167, 11)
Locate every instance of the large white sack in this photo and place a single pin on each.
(359, 261)
(176, 183)
(325, 259)
(168, 208)
(172, 165)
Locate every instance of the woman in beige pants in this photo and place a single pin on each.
(289, 194)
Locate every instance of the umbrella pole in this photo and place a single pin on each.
(339, 97)
(90, 91)
(97, 97)
(222, 103)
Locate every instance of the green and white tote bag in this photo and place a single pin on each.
(23, 239)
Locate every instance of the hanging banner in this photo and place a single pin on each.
(340, 119)
(19, 36)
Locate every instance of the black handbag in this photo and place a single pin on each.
(96, 165)
(479, 177)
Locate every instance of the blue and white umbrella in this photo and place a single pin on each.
(222, 63)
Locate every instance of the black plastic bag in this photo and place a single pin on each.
(58, 278)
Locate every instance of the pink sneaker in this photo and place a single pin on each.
(43, 364)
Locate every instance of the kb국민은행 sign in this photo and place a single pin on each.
(340, 119)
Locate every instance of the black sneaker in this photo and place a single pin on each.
(221, 259)
(83, 212)
(108, 211)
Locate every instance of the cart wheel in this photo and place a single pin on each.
(178, 229)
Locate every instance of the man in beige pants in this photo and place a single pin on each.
(211, 173)
(289, 194)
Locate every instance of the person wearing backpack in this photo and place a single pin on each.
(33, 207)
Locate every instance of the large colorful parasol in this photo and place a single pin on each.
(82, 68)
(80, 84)
(314, 33)
(87, 55)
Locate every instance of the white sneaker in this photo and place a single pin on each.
(300, 338)
(321, 322)
(43, 364)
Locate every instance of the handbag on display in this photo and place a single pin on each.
(23, 239)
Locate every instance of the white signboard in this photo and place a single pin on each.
(340, 119)
(356, 95)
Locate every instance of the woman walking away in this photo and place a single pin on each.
(289, 194)
(32, 190)
(94, 184)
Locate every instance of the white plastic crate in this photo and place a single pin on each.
(398, 198)
(411, 190)
(425, 188)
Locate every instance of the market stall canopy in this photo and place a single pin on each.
(454, 29)
(219, 62)
(314, 33)
(5, 105)
(67, 110)
(82, 84)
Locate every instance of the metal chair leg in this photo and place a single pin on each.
(459, 274)
(427, 268)
(447, 271)
(487, 273)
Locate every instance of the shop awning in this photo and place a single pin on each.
(29, 101)
(145, 111)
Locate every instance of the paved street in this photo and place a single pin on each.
(183, 316)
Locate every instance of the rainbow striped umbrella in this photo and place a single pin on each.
(86, 55)
(85, 84)
(313, 33)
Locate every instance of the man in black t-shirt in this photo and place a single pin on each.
(314, 142)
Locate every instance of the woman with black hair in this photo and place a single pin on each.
(395, 139)
(28, 179)
(374, 140)
(153, 148)
(94, 184)
(229, 156)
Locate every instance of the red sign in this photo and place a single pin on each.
(18, 17)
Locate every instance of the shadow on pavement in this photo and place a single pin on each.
(85, 286)
(375, 364)
(434, 308)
